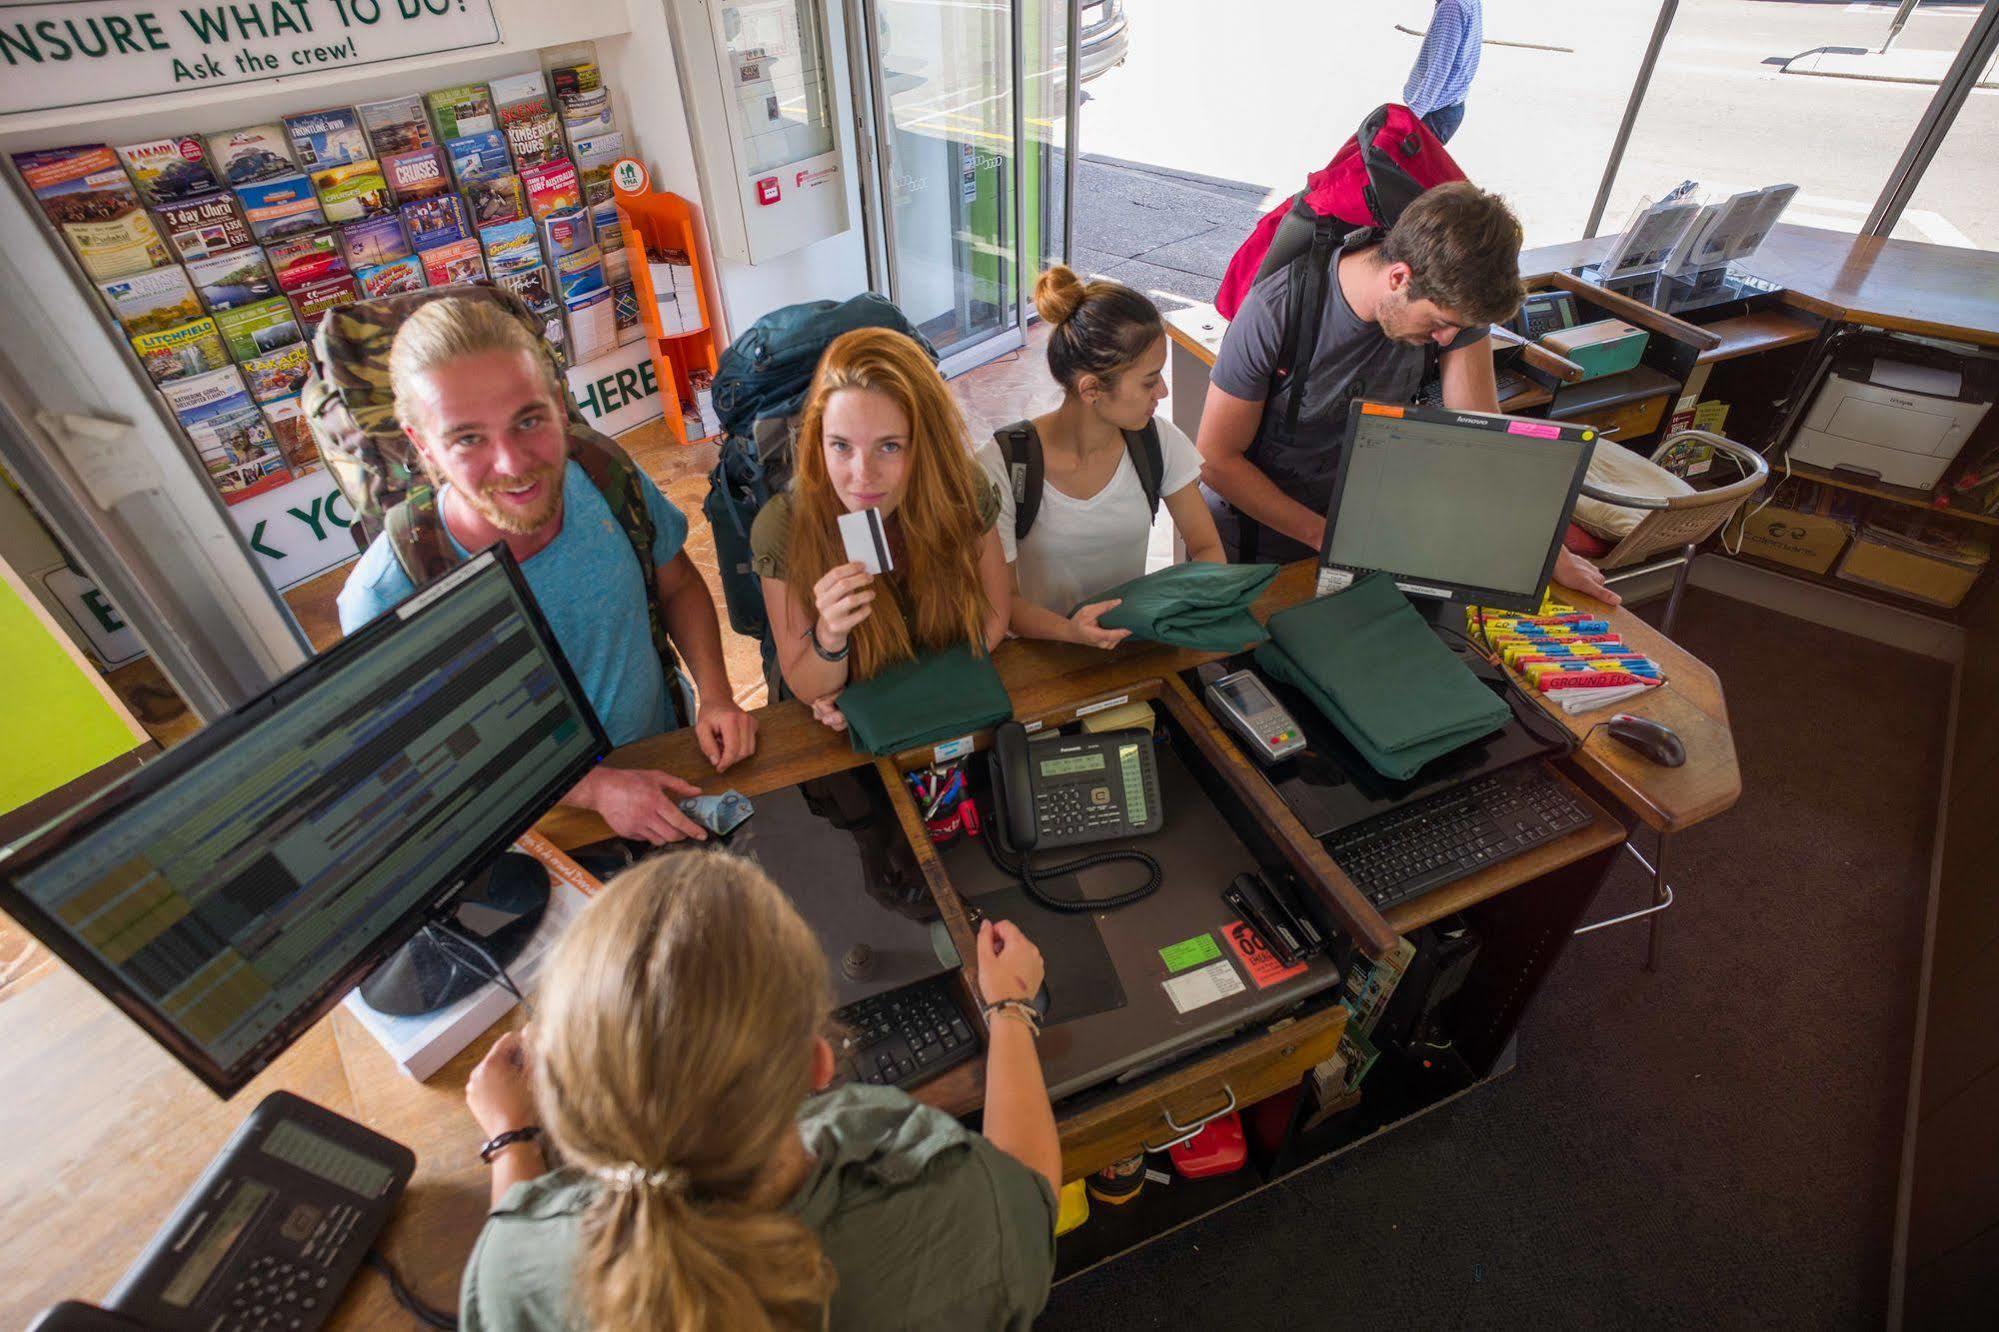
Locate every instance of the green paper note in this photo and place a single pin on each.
(1190, 952)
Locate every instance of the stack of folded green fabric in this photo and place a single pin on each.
(938, 697)
(1200, 606)
(1368, 662)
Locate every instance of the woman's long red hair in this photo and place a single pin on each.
(933, 598)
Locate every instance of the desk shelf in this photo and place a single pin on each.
(1764, 330)
(1904, 495)
(1927, 609)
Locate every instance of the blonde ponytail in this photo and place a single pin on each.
(674, 1048)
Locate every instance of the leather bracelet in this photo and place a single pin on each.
(820, 648)
(500, 1142)
(1019, 1009)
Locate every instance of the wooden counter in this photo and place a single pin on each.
(105, 1131)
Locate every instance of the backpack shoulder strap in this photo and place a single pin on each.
(1310, 273)
(1020, 448)
(616, 477)
(1148, 457)
(415, 530)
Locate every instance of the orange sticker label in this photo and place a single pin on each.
(1379, 409)
(1264, 967)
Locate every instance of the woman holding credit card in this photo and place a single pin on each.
(883, 548)
(1080, 485)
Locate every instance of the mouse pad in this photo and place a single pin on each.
(1082, 981)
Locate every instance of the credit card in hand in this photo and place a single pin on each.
(866, 542)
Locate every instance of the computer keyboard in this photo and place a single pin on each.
(1442, 838)
(905, 1035)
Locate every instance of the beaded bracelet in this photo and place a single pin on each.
(1017, 1008)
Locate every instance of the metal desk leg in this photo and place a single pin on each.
(1680, 577)
(1662, 897)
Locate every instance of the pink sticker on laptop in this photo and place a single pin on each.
(1538, 429)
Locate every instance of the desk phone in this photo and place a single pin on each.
(1067, 790)
(274, 1229)
(1544, 312)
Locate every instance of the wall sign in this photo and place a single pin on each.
(110, 638)
(297, 530)
(620, 390)
(90, 52)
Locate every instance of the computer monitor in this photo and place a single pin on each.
(1456, 506)
(229, 893)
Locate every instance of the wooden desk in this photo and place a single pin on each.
(105, 1131)
(1909, 286)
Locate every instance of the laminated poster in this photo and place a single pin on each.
(205, 225)
(168, 170)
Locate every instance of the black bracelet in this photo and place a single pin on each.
(820, 648)
(501, 1142)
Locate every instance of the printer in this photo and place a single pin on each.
(1896, 408)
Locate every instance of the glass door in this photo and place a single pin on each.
(949, 102)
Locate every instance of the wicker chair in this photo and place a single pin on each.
(1672, 529)
(1670, 535)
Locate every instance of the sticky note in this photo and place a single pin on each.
(1190, 952)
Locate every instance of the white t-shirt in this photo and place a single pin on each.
(1080, 547)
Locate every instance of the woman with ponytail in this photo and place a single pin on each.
(879, 431)
(1107, 348)
(677, 1071)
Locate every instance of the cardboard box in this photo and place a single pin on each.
(1802, 540)
(1891, 567)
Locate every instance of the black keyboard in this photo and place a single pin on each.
(903, 1036)
(1442, 838)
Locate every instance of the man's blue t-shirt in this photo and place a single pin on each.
(590, 591)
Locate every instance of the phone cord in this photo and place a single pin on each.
(1024, 871)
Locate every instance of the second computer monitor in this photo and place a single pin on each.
(1454, 505)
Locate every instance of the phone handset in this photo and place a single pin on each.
(1014, 788)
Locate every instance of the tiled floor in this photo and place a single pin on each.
(991, 396)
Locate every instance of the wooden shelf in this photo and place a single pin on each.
(1927, 609)
(1530, 397)
(1765, 330)
(1908, 495)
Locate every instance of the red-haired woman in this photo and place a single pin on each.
(880, 431)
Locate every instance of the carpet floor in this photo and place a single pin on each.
(1715, 1144)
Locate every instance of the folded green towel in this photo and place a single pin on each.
(1197, 605)
(1369, 663)
(938, 697)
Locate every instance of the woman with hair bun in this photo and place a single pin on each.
(706, 1178)
(1107, 348)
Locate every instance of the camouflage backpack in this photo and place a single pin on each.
(350, 408)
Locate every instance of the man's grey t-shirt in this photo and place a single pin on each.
(1352, 359)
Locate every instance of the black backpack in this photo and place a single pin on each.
(1020, 448)
(760, 386)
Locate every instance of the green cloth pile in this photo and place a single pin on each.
(1368, 662)
(938, 697)
(1196, 605)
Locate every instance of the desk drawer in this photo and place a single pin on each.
(1154, 1113)
(1627, 420)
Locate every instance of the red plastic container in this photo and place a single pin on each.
(1217, 1149)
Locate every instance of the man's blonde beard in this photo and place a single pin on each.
(515, 521)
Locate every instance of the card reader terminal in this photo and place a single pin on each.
(1254, 713)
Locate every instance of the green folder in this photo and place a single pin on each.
(1368, 662)
(938, 697)
(1196, 605)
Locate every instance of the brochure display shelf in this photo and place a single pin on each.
(672, 304)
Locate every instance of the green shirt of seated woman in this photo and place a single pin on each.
(880, 430)
(677, 1068)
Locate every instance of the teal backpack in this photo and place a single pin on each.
(759, 389)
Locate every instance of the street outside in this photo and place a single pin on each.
(1219, 112)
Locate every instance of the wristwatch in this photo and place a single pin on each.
(500, 1142)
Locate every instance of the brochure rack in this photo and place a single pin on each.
(672, 305)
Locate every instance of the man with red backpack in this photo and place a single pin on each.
(1447, 269)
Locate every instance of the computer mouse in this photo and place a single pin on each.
(1655, 741)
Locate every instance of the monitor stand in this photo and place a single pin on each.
(501, 909)
(1447, 614)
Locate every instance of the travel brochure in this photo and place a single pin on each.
(205, 225)
(219, 253)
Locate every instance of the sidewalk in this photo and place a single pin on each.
(1168, 233)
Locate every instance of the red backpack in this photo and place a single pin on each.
(1368, 183)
